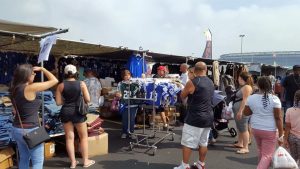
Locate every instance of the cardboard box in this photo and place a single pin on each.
(98, 145)
(6, 160)
(49, 150)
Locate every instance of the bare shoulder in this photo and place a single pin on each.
(247, 88)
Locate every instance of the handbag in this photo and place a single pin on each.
(83, 106)
(36, 136)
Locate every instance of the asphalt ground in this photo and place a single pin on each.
(221, 155)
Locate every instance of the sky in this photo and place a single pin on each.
(168, 26)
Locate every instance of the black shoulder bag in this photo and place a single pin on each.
(83, 106)
(34, 137)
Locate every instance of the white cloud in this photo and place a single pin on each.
(169, 26)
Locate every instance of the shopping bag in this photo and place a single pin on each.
(283, 160)
(227, 112)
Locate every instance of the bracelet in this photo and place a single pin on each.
(281, 138)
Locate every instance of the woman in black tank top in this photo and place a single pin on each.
(68, 94)
(23, 94)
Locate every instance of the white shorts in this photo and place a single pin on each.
(193, 137)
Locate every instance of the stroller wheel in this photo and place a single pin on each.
(232, 132)
(215, 133)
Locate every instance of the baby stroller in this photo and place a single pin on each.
(220, 124)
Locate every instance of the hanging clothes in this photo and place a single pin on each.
(216, 73)
(136, 65)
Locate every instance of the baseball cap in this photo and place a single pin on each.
(161, 68)
(70, 68)
(296, 67)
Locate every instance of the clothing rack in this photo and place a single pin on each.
(143, 141)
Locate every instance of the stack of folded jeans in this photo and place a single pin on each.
(6, 119)
(51, 115)
(53, 124)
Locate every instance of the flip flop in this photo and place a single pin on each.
(77, 162)
(236, 146)
(241, 151)
(90, 164)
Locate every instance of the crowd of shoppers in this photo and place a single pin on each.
(255, 106)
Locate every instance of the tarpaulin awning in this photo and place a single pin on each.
(14, 27)
(24, 38)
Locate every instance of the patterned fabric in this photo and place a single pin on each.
(294, 143)
(94, 87)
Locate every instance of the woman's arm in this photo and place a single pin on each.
(286, 134)
(42, 86)
(247, 90)
(279, 122)
(58, 97)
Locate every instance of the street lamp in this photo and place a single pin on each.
(241, 36)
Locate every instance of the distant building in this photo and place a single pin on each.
(285, 59)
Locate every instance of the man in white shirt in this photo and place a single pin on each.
(184, 73)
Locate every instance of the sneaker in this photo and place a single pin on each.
(199, 166)
(167, 128)
(124, 136)
(213, 140)
(133, 136)
(181, 167)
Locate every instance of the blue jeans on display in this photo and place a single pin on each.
(36, 155)
(132, 111)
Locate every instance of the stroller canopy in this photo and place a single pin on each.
(218, 97)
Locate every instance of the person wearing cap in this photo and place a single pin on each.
(184, 73)
(291, 84)
(68, 94)
(161, 73)
(94, 87)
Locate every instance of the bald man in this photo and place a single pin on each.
(184, 73)
(199, 118)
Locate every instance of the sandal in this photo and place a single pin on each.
(74, 166)
(237, 146)
(92, 162)
(242, 151)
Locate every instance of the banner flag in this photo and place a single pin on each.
(208, 48)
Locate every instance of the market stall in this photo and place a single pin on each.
(19, 43)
